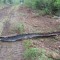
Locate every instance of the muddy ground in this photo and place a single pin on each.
(10, 16)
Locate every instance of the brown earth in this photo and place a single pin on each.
(32, 23)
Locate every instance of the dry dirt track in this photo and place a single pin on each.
(9, 51)
(32, 23)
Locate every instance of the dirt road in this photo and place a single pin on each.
(13, 50)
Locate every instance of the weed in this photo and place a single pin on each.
(20, 28)
(27, 44)
(49, 6)
(32, 53)
(36, 54)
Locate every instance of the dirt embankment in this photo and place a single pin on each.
(32, 23)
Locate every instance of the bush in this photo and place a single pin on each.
(30, 3)
(57, 4)
(33, 53)
(50, 6)
(36, 54)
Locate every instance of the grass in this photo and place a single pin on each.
(31, 54)
(27, 44)
(1, 28)
(34, 53)
(20, 28)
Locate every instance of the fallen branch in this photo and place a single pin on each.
(28, 36)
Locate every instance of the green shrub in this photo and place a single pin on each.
(43, 55)
(30, 3)
(57, 4)
(50, 6)
(32, 53)
(36, 54)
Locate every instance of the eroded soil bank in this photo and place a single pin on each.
(13, 15)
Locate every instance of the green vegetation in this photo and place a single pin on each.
(20, 28)
(33, 53)
(17, 27)
(27, 44)
(47, 6)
